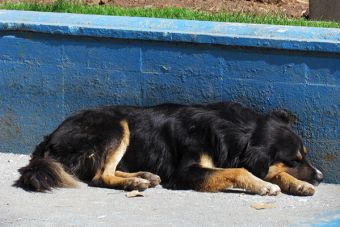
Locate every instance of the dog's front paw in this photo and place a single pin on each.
(269, 189)
(301, 188)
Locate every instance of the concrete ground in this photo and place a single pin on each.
(86, 206)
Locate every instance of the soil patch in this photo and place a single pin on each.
(289, 8)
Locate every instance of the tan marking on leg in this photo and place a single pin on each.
(105, 175)
(291, 185)
(129, 184)
(220, 180)
(275, 169)
(126, 175)
(206, 161)
(117, 154)
(223, 179)
(278, 174)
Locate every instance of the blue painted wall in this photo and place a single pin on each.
(47, 74)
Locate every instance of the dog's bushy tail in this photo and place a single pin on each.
(42, 174)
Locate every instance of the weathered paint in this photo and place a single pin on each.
(231, 34)
(55, 64)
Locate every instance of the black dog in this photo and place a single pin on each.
(201, 147)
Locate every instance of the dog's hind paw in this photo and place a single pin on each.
(152, 178)
(137, 183)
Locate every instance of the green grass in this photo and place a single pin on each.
(175, 13)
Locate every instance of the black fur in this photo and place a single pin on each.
(40, 175)
(169, 140)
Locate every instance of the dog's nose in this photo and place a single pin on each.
(319, 176)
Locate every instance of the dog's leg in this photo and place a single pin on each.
(128, 184)
(210, 179)
(291, 185)
(153, 178)
(204, 176)
(106, 177)
(222, 179)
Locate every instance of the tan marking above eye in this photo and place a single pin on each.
(305, 150)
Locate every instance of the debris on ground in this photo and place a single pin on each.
(134, 193)
(261, 206)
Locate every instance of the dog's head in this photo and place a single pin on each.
(280, 149)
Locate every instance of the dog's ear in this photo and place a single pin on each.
(256, 161)
(284, 116)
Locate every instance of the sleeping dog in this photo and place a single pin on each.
(208, 148)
